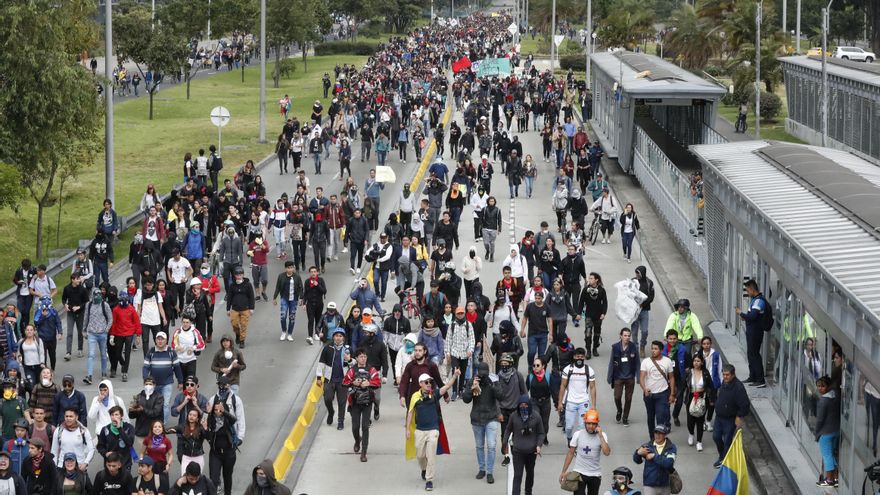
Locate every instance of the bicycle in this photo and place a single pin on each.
(593, 233)
(410, 305)
(741, 124)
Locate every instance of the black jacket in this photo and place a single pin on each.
(485, 406)
(646, 287)
(732, 400)
(357, 230)
(46, 481)
(377, 354)
(111, 442)
(491, 218)
(240, 296)
(527, 435)
(593, 302)
(573, 270)
(153, 410)
(282, 286)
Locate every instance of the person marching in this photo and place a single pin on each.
(425, 433)
(362, 382)
(586, 448)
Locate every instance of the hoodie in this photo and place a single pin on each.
(519, 268)
(485, 404)
(527, 429)
(221, 362)
(404, 355)
(646, 287)
(273, 487)
(99, 411)
(471, 266)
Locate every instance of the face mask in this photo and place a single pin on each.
(239, 280)
(227, 354)
(97, 299)
(8, 394)
(619, 486)
(505, 366)
(409, 347)
(46, 382)
(524, 410)
(473, 254)
(579, 363)
(148, 389)
(262, 480)
(206, 272)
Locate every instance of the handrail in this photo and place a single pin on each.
(671, 178)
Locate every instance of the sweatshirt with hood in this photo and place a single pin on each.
(519, 267)
(485, 404)
(646, 287)
(99, 411)
(271, 485)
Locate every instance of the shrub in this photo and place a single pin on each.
(715, 70)
(770, 105)
(346, 48)
(286, 67)
(573, 62)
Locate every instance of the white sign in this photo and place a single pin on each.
(385, 174)
(557, 40)
(220, 116)
(512, 28)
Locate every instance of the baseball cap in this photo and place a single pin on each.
(331, 305)
(161, 335)
(424, 377)
(145, 460)
(661, 429)
(368, 311)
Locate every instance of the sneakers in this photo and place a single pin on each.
(351, 270)
(618, 416)
(690, 439)
(506, 461)
(760, 384)
(429, 486)
(79, 353)
(67, 357)
(717, 464)
(709, 426)
(87, 379)
(481, 474)
(340, 425)
(626, 422)
(678, 423)
(329, 419)
(310, 341)
(699, 446)
(283, 336)
(491, 479)
(125, 377)
(345, 250)
(290, 337)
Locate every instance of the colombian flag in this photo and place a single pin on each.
(733, 477)
(442, 440)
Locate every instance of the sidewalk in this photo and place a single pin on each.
(455, 473)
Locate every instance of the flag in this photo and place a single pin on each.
(733, 477)
(461, 64)
(442, 440)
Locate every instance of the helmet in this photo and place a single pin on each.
(238, 270)
(683, 302)
(195, 281)
(124, 299)
(450, 265)
(591, 416)
(80, 250)
(623, 471)
(22, 423)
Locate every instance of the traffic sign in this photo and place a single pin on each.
(557, 40)
(512, 28)
(220, 116)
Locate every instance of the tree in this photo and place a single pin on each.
(541, 12)
(311, 21)
(178, 15)
(50, 114)
(161, 50)
(400, 14)
(359, 10)
(282, 25)
(228, 16)
(694, 39)
(629, 22)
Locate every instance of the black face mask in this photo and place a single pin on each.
(579, 363)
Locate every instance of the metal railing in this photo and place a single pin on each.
(711, 136)
(669, 189)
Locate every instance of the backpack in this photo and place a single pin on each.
(362, 396)
(103, 310)
(766, 321)
(216, 163)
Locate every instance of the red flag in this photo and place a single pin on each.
(461, 64)
(443, 441)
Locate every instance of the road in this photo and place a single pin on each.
(387, 467)
(276, 370)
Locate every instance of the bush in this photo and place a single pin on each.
(346, 48)
(715, 70)
(770, 105)
(573, 62)
(286, 67)
(371, 30)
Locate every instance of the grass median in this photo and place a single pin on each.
(151, 151)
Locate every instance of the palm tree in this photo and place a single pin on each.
(628, 23)
(694, 39)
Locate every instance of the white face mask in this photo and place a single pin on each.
(46, 382)
(227, 354)
(148, 389)
(206, 272)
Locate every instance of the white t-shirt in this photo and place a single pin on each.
(578, 390)
(655, 382)
(202, 165)
(150, 311)
(588, 451)
(178, 269)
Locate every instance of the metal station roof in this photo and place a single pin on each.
(856, 71)
(810, 207)
(649, 76)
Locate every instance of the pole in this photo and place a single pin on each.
(108, 101)
(263, 71)
(432, 11)
(553, 38)
(209, 19)
(589, 40)
(758, 19)
(797, 36)
(825, 75)
(220, 140)
(153, 16)
(785, 19)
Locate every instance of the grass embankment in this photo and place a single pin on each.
(151, 151)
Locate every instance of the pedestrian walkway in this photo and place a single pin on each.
(332, 451)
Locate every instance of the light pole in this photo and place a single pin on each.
(108, 102)
(209, 19)
(758, 18)
(553, 38)
(797, 21)
(590, 35)
(153, 16)
(262, 138)
(785, 17)
(825, 73)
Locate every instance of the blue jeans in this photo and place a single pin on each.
(537, 345)
(288, 315)
(529, 184)
(657, 407)
(380, 281)
(99, 342)
(102, 273)
(723, 434)
(166, 391)
(380, 157)
(627, 238)
(560, 157)
(641, 325)
(573, 414)
(317, 157)
(327, 145)
(486, 437)
(827, 446)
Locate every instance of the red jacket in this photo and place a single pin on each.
(335, 216)
(375, 381)
(581, 140)
(259, 257)
(210, 285)
(126, 322)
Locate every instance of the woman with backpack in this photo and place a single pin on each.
(362, 382)
(700, 393)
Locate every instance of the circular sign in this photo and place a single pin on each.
(220, 116)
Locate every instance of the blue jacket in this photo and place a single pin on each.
(48, 326)
(195, 245)
(732, 400)
(752, 317)
(17, 453)
(619, 370)
(681, 362)
(109, 229)
(435, 345)
(657, 469)
(63, 401)
(366, 298)
(163, 366)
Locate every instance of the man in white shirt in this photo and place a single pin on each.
(72, 436)
(577, 392)
(179, 272)
(658, 384)
(586, 448)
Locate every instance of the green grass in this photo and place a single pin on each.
(152, 151)
(770, 129)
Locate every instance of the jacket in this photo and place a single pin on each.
(235, 406)
(17, 453)
(98, 318)
(573, 270)
(409, 379)
(623, 365)
(377, 353)
(230, 249)
(62, 401)
(657, 469)
(357, 230)
(99, 413)
(646, 287)
(43, 483)
(328, 360)
(152, 409)
(163, 366)
(126, 321)
(828, 414)
(593, 302)
(485, 405)
(510, 389)
(691, 329)
(82, 483)
(240, 297)
(220, 362)
(709, 391)
(365, 298)
(732, 400)
(108, 441)
(274, 488)
(527, 435)
(681, 360)
(491, 218)
(203, 486)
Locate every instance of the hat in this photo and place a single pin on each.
(5, 454)
(485, 156)
(424, 377)
(338, 330)
(591, 416)
(383, 234)
(370, 328)
(195, 281)
(68, 378)
(38, 442)
(192, 378)
(459, 310)
(368, 311)
(22, 423)
(70, 456)
(206, 266)
(238, 270)
(661, 429)
(145, 460)
(331, 305)
(441, 242)
(193, 469)
(222, 380)
(161, 335)
(506, 357)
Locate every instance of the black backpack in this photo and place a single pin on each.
(766, 321)
(362, 396)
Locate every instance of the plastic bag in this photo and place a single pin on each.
(629, 300)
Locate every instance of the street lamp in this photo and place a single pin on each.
(758, 18)
(262, 137)
(553, 38)
(108, 101)
(825, 73)
(590, 36)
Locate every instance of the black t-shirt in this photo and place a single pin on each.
(537, 317)
(121, 484)
(159, 484)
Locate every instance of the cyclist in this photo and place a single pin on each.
(741, 118)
